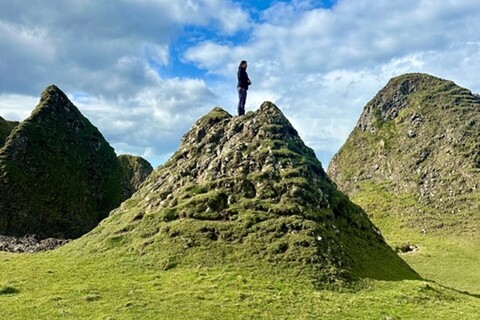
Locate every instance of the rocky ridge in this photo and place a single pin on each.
(418, 138)
(243, 188)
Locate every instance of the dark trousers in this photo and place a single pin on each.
(242, 98)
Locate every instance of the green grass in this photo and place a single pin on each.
(450, 259)
(65, 285)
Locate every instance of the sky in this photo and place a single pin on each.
(143, 71)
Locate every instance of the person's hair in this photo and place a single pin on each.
(242, 63)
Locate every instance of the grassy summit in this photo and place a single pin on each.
(413, 162)
(243, 190)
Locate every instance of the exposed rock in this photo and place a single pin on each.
(406, 248)
(29, 244)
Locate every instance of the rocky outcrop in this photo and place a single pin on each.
(58, 175)
(243, 188)
(29, 244)
(418, 138)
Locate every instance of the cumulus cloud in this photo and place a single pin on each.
(12, 106)
(151, 122)
(98, 46)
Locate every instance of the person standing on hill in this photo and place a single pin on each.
(242, 86)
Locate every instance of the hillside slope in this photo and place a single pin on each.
(243, 190)
(419, 138)
(412, 162)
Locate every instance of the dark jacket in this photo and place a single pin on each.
(243, 80)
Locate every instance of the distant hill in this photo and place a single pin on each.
(5, 128)
(134, 171)
(59, 177)
(418, 140)
(240, 190)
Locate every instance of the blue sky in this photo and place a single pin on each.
(144, 70)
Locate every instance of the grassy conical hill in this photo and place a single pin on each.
(5, 128)
(413, 163)
(247, 191)
(58, 175)
(418, 138)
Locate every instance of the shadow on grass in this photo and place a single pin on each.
(8, 290)
(474, 295)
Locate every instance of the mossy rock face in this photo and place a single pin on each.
(5, 128)
(418, 138)
(134, 171)
(58, 175)
(245, 188)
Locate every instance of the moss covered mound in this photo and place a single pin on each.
(58, 175)
(5, 128)
(135, 171)
(418, 139)
(245, 190)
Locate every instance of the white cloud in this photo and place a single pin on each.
(151, 121)
(13, 106)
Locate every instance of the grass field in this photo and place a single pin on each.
(64, 285)
(443, 255)
(84, 281)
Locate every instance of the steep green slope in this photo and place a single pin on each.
(451, 260)
(412, 162)
(244, 190)
(59, 177)
(5, 128)
(419, 138)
